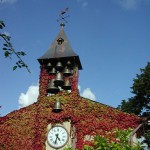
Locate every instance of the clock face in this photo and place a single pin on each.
(57, 137)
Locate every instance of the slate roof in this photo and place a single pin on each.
(60, 51)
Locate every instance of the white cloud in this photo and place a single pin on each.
(8, 1)
(131, 4)
(32, 93)
(29, 97)
(79, 87)
(87, 93)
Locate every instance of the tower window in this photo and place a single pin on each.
(60, 41)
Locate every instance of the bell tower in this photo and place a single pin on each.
(59, 67)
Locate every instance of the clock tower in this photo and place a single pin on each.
(59, 72)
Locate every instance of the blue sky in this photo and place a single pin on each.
(112, 38)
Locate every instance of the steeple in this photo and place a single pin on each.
(60, 49)
(59, 66)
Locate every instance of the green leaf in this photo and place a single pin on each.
(5, 45)
(7, 53)
(15, 67)
(2, 24)
(7, 37)
(24, 65)
(4, 48)
(1, 27)
(23, 53)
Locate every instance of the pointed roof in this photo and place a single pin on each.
(60, 48)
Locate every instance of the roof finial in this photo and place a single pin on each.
(62, 17)
(62, 24)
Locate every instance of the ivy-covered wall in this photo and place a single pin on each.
(26, 129)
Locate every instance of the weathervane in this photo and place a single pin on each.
(62, 15)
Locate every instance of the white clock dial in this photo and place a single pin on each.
(57, 137)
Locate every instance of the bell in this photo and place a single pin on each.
(68, 63)
(59, 79)
(52, 88)
(57, 106)
(59, 66)
(52, 71)
(67, 85)
(67, 72)
(49, 66)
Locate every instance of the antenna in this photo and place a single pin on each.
(62, 15)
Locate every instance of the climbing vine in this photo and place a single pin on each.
(120, 142)
(26, 128)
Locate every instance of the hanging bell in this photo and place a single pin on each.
(67, 85)
(52, 71)
(59, 79)
(68, 63)
(67, 72)
(52, 88)
(57, 106)
(49, 66)
(59, 66)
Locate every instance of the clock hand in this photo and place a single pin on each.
(55, 141)
(56, 138)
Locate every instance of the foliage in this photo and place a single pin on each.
(121, 142)
(141, 89)
(127, 106)
(147, 136)
(140, 103)
(28, 125)
(9, 51)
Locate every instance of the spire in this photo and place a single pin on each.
(60, 49)
(59, 65)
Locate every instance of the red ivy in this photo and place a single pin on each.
(26, 129)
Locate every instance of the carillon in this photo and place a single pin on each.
(61, 76)
(61, 64)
